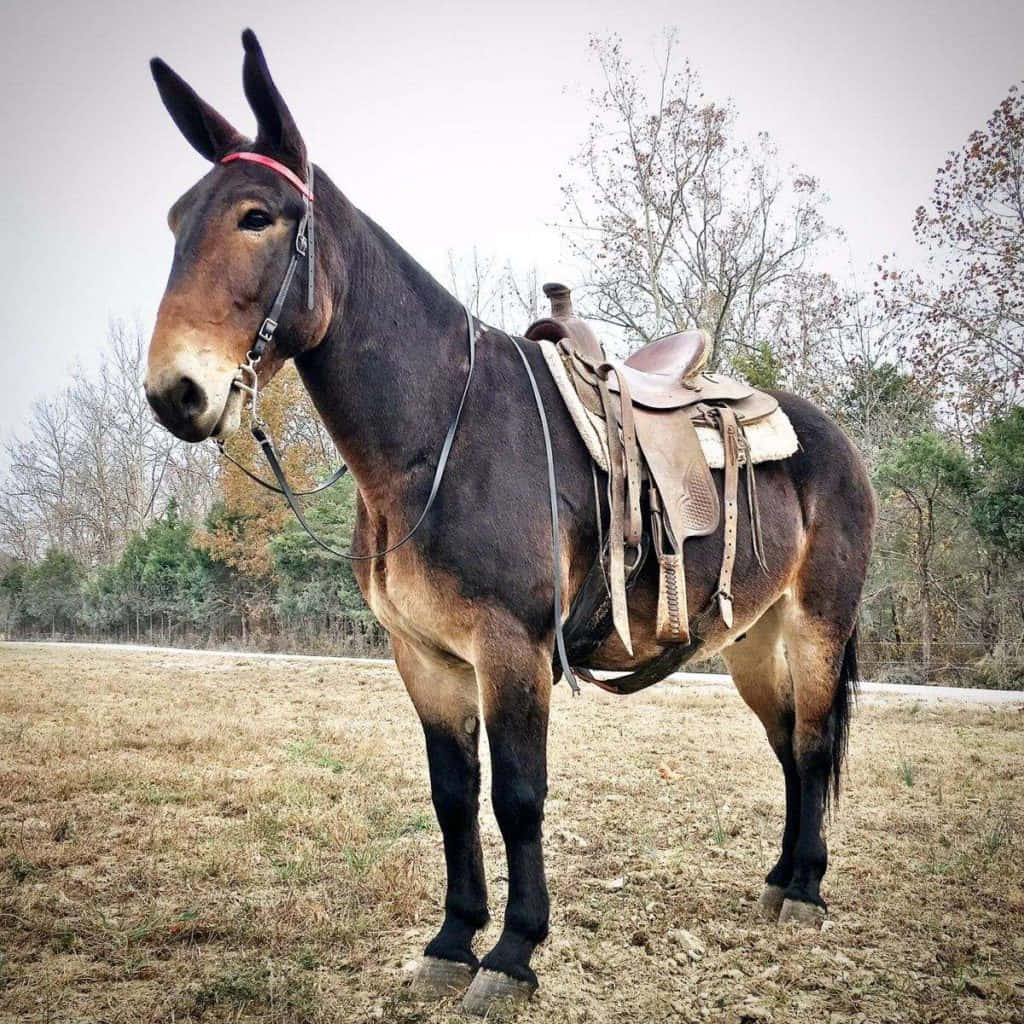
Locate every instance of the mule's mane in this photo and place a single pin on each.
(373, 257)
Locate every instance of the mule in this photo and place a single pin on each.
(381, 348)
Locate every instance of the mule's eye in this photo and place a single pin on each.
(255, 220)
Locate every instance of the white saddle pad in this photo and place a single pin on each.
(770, 439)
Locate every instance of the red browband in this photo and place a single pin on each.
(266, 161)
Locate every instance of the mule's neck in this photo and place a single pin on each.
(388, 374)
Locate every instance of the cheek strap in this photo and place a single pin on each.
(303, 249)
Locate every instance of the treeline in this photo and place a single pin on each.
(167, 588)
(214, 561)
(110, 528)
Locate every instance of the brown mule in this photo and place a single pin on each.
(381, 347)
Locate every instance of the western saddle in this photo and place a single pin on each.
(649, 407)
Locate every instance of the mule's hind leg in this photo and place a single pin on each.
(446, 699)
(761, 673)
(515, 689)
(822, 660)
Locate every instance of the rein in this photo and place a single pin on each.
(247, 381)
(247, 377)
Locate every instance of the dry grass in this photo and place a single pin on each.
(186, 838)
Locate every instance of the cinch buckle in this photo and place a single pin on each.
(267, 329)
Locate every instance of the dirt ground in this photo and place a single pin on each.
(223, 838)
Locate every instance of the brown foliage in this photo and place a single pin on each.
(963, 319)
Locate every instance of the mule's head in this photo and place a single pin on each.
(234, 235)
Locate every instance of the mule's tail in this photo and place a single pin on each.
(842, 710)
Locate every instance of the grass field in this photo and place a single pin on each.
(223, 838)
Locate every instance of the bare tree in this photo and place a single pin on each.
(963, 317)
(495, 291)
(678, 223)
(93, 467)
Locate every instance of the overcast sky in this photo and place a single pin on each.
(430, 117)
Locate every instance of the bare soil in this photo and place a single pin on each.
(228, 839)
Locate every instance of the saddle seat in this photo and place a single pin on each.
(680, 356)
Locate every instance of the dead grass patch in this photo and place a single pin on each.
(192, 838)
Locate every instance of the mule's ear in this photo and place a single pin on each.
(277, 136)
(210, 135)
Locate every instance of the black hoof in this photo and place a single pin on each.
(439, 979)
(489, 988)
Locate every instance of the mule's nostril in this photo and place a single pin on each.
(189, 398)
(180, 406)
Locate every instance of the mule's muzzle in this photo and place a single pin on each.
(181, 404)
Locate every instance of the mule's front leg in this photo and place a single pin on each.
(445, 696)
(515, 696)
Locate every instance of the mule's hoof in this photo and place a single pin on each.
(770, 904)
(492, 987)
(437, 979)
(801, 912)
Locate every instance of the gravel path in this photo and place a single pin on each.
(688, 680)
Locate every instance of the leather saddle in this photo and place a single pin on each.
(651, 404)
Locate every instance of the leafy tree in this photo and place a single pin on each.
(316, 590)
(998, 502)
(760, 367)
(963, 317)
(161, 573)
(12, 596)
(928, 481)
(52, 592)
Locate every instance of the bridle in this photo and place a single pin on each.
(247, 375)
(247, 381)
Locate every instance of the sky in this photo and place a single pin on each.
(449, 123)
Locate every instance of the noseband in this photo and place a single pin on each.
(247, 377)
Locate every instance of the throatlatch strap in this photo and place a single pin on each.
(556, 546)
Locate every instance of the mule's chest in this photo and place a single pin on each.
(414, 600)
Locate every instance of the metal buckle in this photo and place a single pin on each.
(301, 243)
(267, 328)
(247, 381)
